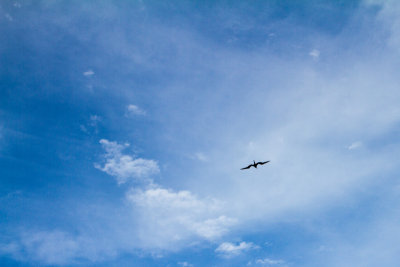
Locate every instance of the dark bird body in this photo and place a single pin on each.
(255, 164)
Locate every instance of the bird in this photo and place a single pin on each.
(255, 164)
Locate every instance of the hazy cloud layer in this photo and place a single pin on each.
(56, 248)
(300, 108)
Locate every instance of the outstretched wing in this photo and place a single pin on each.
(262, 163)
(248, 167)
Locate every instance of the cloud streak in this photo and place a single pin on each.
(314, 54)
(355, 145)
(88, 73)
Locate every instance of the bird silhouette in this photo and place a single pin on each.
(255, 164)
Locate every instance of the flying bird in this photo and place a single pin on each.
(255, 164)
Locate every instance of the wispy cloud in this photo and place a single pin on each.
(228, 249)
(355, 145)
(8, 17)
(185, 264)
(389, 16)
(92, 124)
(134, 110)
(125, 167)
(94, 120)
(200, 156)
(47, 248)
(88, 73)
(315, 54)
(269, 262)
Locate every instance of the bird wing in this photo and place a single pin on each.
(248, 167)
(262, 163)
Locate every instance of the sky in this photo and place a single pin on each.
(124, 125)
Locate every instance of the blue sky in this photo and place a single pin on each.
(123, 126)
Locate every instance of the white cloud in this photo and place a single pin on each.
(95, 118)
(9, 17)
(83, 128)
(228, 249)
(200, 156)
(169, 217)
(125, 167)
(269, 262)
(135, 110)
(92, 125)
(315, 54)
(185, 264)
(164, 216)
(355, 145)
(88, 73)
